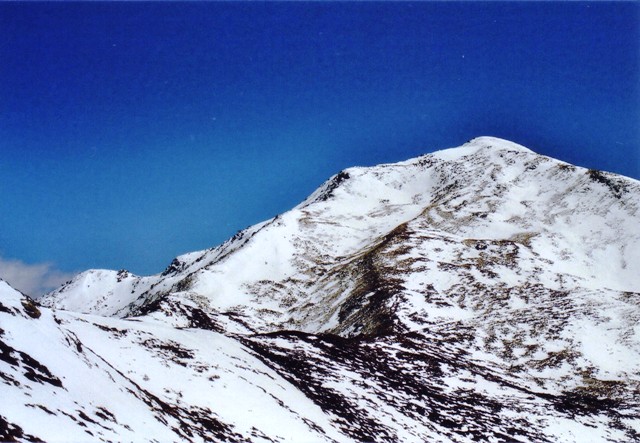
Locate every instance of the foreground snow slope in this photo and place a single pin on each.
(69, 377)
(481, 292)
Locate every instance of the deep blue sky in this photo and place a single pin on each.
(133, 132)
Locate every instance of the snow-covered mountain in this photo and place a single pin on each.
(479, 293)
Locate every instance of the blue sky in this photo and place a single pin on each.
(133, 132)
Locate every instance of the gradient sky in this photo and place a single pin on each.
(133, 132)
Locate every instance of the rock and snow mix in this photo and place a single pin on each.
(478, 293)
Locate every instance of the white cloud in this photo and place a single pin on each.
(34, 280)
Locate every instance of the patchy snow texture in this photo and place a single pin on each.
(481, 293)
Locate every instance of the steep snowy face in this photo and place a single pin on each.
(479, 292)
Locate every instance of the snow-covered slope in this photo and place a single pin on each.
(69, 377)
(480, 292)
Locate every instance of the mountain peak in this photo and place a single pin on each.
(497, 143)
(479, 292)
(479, 145)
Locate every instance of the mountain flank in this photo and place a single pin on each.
(480, 293)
